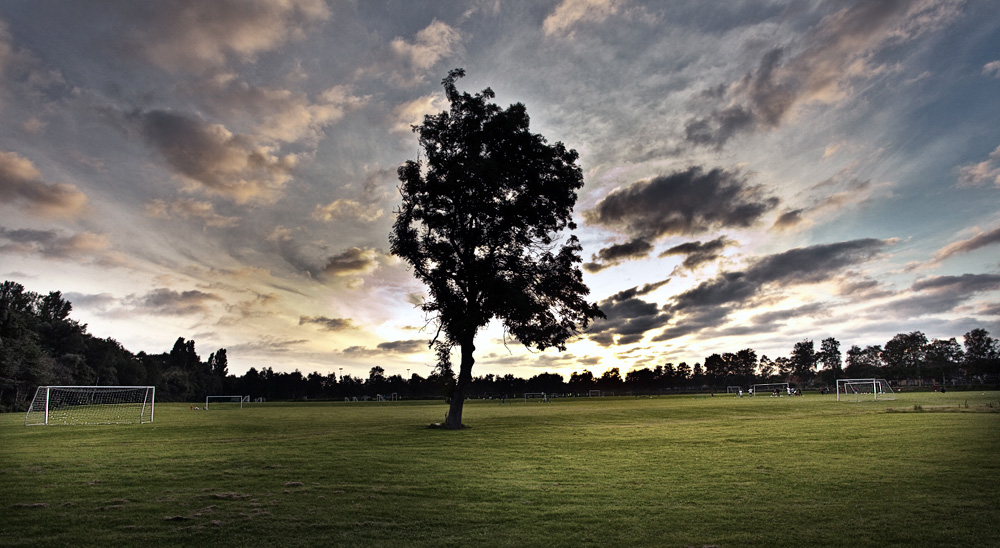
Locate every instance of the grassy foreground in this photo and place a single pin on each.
(923, 470)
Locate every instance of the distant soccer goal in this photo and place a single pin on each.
(734, 390)
(864, 389)
(226, 401)
(594, 394)
(768, 389)
(91, 405)
(542, 396)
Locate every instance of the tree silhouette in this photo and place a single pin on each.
(480, 225)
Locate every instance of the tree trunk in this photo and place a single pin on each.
(454, 420)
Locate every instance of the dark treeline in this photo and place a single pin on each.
(41, 345)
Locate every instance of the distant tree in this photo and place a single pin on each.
(830, 361)
(766, 368)
(982, 353)
(611, 379)
(581, 382)
(943, 358)
(803, 361)
(864, 363)
(640, 380)
(904, 355)
(480, 225)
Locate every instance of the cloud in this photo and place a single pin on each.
(190, 209)
(195, 36)
(982, 239)
(212, 159)
(627, 317)
(938, 295)
(52, 245)
(570, 13)
(351, 262)
(167, 302)
(981, 173)
(698, 253)
(616, 254)
(346, 209)
(837, 51)
(21, 183)
(684, 202)
(276, 113)
(391, 347)
(431, 44)
(329, 324)
(709, 303)
(412, 113)
(992, 69)
(639, 291)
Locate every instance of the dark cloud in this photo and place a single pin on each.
(167, 302)
(710, 302)
(684, 202)
(54, 245)
(328, 324)
(617, 253)
(628, 318)
(216, 160)
(21, 183)
(789, 219)
(939, 294)
(698, 253)
(413, 346)
(639, 291)
(353, 261)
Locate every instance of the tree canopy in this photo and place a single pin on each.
(481, 225)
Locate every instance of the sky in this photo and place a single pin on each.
(757, 173)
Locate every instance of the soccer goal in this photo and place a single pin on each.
(858, 389)
(734, 390)
(536, 396)
(594, 394)
(226, 401)
(768, 389)
(91, 405)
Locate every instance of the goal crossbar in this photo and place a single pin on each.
(227, 399)
(878, 389)
(91, 405)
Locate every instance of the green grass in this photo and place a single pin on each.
(669, 471)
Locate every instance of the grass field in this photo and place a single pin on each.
(923, 470)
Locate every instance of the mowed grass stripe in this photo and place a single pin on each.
(667, 471)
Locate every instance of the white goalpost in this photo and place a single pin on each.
(734, 390)
(594, 394)
(536, 395)
(227, 399)
(91, 405)
(858, 389)
(767, 389)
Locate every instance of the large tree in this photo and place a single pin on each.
(480, 224)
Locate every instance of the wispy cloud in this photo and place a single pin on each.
(840, 50)
(185, 35)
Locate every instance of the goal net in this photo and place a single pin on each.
(771, 389)
(734, 390)
(91, 405)
(541, 396)
(226, 401)
(867, 389)
(594, 394)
